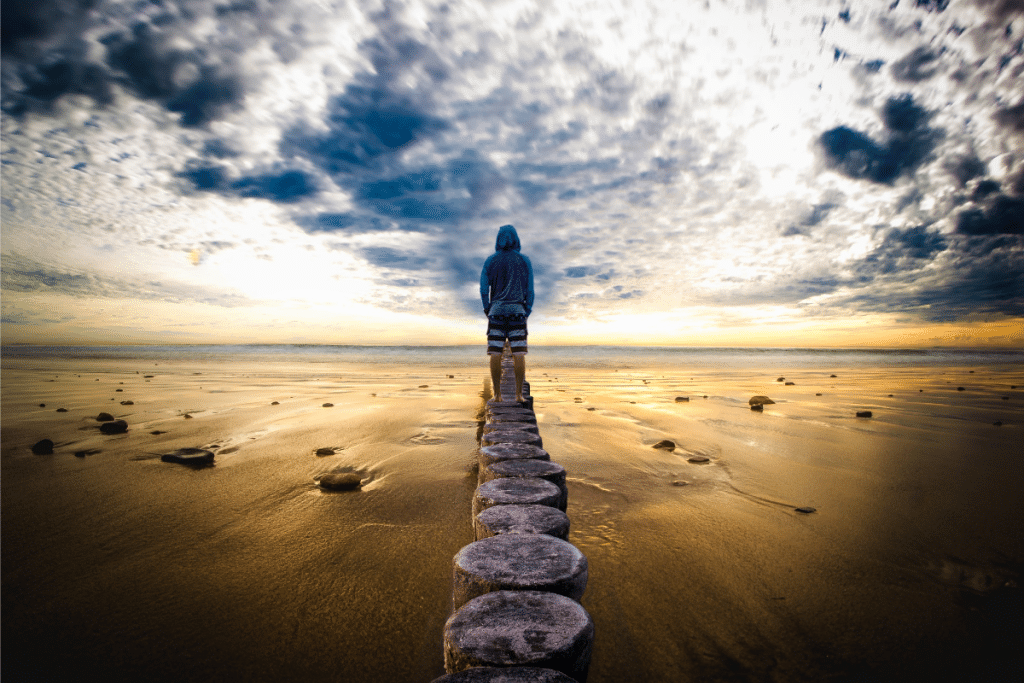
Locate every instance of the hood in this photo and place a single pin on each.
(507, 239)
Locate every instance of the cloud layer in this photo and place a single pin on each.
(828, 158)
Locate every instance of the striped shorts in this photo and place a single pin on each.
(500, 330)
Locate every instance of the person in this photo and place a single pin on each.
(506, 289)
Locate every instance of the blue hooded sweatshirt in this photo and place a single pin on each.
(506, 282)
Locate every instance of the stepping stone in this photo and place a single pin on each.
(511, 416)
(520, 628)
(515, 492)
(530, 562)
(505, 674)
(511, 436)
(541, 469)
(521, 519)
(510, 451)
(521, 426)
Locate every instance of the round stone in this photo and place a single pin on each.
(535, 562)
(340, 481)
(515, 492)
(520, 628)
(492, 426)
(510, 451)
(540, 469)
(522, 519)
(501, 674)
(511, 436)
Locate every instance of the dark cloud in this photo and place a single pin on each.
(29, 28)
(931, 5)
(387, 257)
(909, 143)
(288, 186)
(1003, 216)
(1011, 117)
(919, 64)
(964, 167)
(1000, 10)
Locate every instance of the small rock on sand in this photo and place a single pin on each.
(44, 447)
(42, 405)
(665, 444)
(187, 416)
(682, 399)
(424, 386)
(680, 482)
(757, 407)
(863, 413)
(328, 405)
(325, 451)
(62, 410)
(115, 427)
(118, 390)
(127, 403)
(790, 384)
(591, 408)
(104, 417)
(760, 400)
(806, 510)
(193, 457)
(698, 458)
(340, 481)
(275, 403)
(833, 375)
(997, 424)
(781, 379)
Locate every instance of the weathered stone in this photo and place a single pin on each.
(790, 384)
(533, 562)
(328, 405)
(44, 447)
(665, 444)
(515, 492)
(193, 457)
(682, 399)
(863, 413)
(505, 674)
(115, 427)
(325, 451)
(275, 403)
(512, 416)
(698, 458)
(510, 451)
(127, 403)
(340, 481)
(520, 628)
(104, 417)
(760, 401)
(511, 436)
(541, 469)
(521, 426)
(62, 410)
(521, 519)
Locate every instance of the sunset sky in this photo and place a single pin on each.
(806, 173)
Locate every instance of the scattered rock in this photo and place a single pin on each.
(760, 400)
(127, 403)
(781, 379)
(104, 417)
(591, 408)
(157, 432)
(833, 375)
(757, 407)
(1006, 398)
(997, 424)
(62, 410)
(187, 416)
(698, 458)
(118, 390)
(960, 389)
(451, 376)
(325, 451)
(817, 394)
(115, 427)
(806, 510)
(340, 481)
(328, 405)
(578, 400)
(275, 403)
(148, 376)
(424, 386)
(665, 444)
(193, 457)
(682, 399)
(790, 384)
(42, 405)
(863, 413)
(680, 482)
(44, 447)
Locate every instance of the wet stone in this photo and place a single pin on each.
(518, 562)
(510, 674)
(863, 413)
(665, 444)
(43, 447)
(521, 519)
(104, 417)
(511, 436)
(340, 481)
(512, 416)
(540, 469)
(520, 426)
(760, 400)
(115, 427)
(520, 628)
(515, 492)
(510, 451)
(193, 457)
(698, 458)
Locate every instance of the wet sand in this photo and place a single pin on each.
(133, 568)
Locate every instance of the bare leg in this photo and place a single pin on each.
(496, 376)
(519, 365)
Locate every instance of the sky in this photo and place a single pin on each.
(754, 173)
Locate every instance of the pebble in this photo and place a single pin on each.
(340, 481)
(193, 457)
(62, 410)
(682, 399)
(44, 447)
(863, 413)
(698, 458)
(325, 451)
(275, 403)
(115, 427)
(104, 417)
(806, 510)
(328, 405)
(665, 444)
(127, 403)
(760, 400)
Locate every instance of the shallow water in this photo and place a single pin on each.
(138, 569)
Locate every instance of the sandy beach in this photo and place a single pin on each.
(133, 568)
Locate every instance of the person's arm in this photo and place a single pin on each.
(529, 285)
(485, 288)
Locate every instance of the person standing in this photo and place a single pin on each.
(506, 289)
